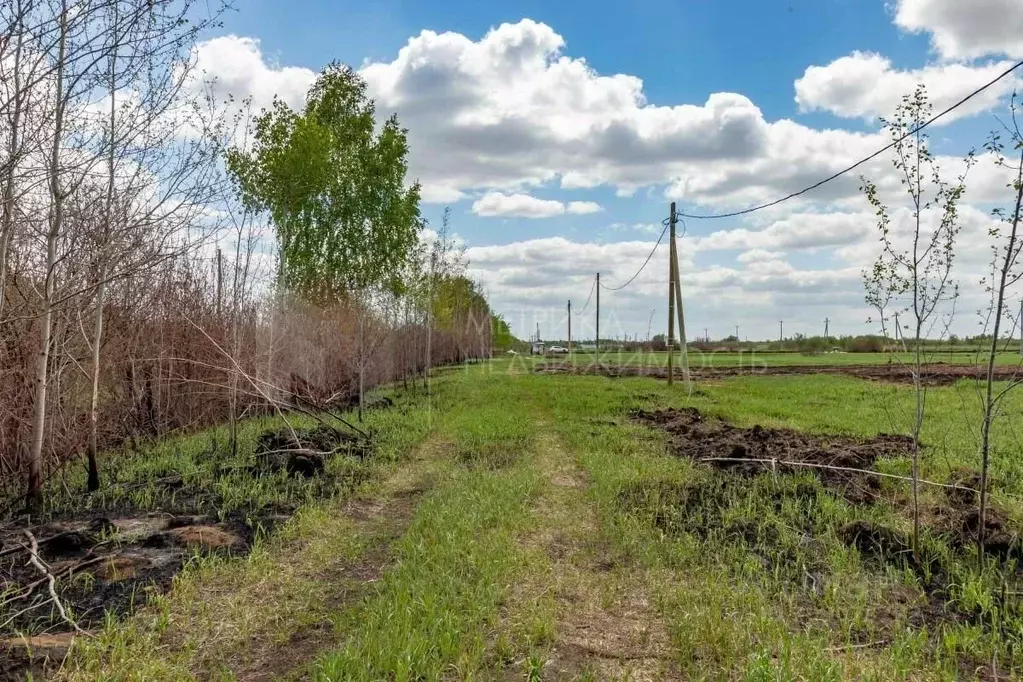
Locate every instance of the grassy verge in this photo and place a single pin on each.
(435, 609)
(225, 615)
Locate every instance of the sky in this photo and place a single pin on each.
(558, 133)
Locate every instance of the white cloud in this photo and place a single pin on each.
(495, 116)
(864, 85)
(510, 111)
(493, 204)
(583, 207)
(529, 282)
(799, 231)
(963, 29)
(646, 228)
(235, 65)
(759, 256)
(516, 206)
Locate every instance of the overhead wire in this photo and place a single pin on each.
(862, 161)
(645, 263)
(593, 288)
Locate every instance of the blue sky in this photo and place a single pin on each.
(589, 117)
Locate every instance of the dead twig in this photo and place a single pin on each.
(854, 647)
(51, 581)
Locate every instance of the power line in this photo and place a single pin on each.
(645, 263)
(592, 289)
(861, 161)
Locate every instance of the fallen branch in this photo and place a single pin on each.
(51, 582)
(854, 647)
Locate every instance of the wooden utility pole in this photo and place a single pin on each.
(569, 330)
(597, 340)
(781, 331)
(736, 333)
(671, 296)
(706, 335)
(681, 311)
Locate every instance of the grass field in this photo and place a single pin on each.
(701, 359)
(522, 526)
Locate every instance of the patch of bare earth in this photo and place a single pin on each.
(605, 625)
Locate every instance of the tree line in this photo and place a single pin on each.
(170, 259)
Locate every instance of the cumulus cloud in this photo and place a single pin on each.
(583, 207)
(865, 85)
(529, 282)
(799, 231)
(511, 110)
(964, 29)
(494, 116)
(516, 206)
(759, 256)
(497, 204)
(235, 65)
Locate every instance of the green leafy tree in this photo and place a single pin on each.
(334, 189)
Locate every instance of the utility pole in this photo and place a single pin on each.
(597, 340)
(706, 335)
(671, 297)
(681, 311)
(570, 330)
(1021, 326)
(781, 331)
(826, 320)
(736, 333)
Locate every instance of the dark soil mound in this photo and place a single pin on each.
(838, 461)
(873, 539)
(303, 452)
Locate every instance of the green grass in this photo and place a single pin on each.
(754, 581)
(216, 480)
(434, 609)
(221, 612)
(711, 359)
(750, 578)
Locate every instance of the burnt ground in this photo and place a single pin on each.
(934, 373)
(764, 500)
(111, 559)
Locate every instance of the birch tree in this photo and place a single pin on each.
(912, 276)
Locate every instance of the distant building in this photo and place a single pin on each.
(536, 348)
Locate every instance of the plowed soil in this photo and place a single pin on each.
(933, 374)
(759, 449)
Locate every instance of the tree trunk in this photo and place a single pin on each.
(34, 495)
(989, 400)
(14, 151)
